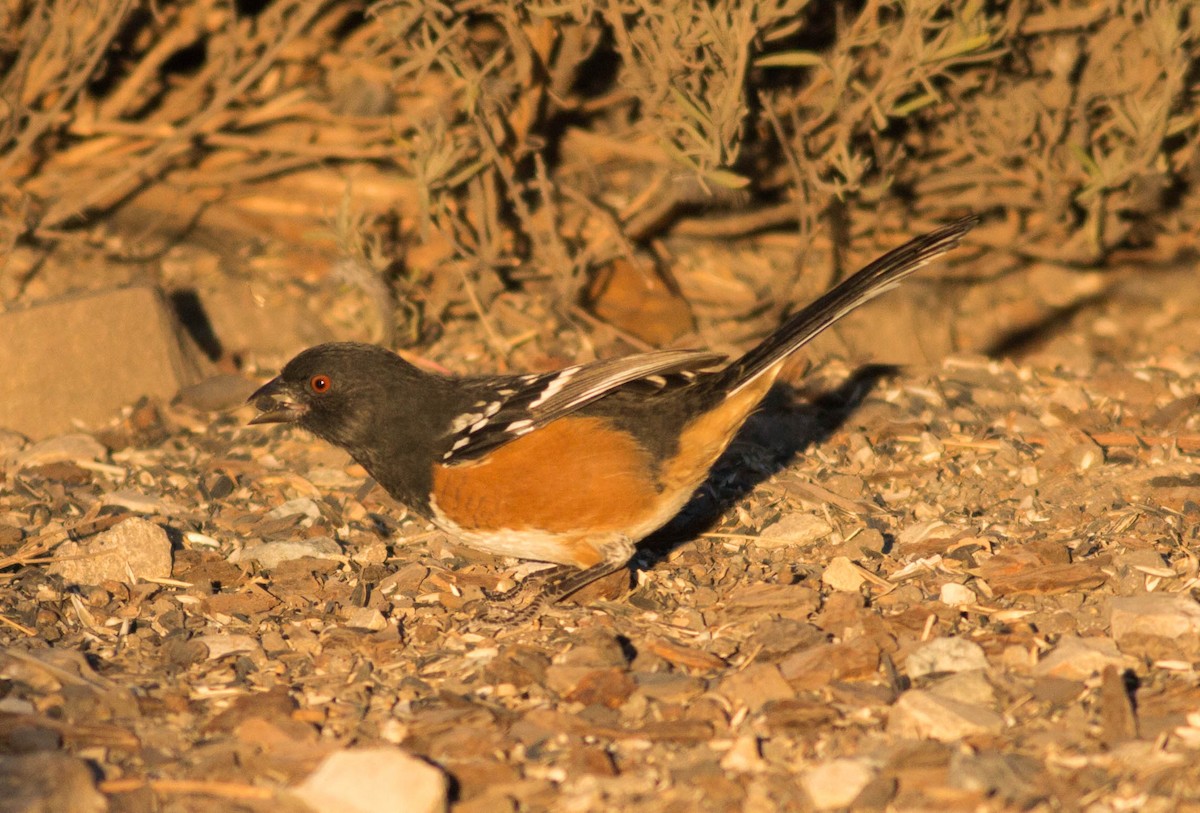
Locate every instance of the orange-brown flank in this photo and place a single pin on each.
(573, 473)
(581, 477)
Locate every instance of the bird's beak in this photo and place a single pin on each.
(276, 404)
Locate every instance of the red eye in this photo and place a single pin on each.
(319, 384)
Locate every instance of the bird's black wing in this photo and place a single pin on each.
(510, 407)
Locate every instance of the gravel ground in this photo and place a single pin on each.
(965, 585)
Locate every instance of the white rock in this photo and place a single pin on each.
(944, 655)
(1157, 624)
(140, 503)
(373, 780)
(835, 784)
(841, 574)
(302, 506)
(1076, 658)
(366, 618)
(919, 714)
(64, 448)
(270, 554)
(133, 545)
(954, 594)
(794, 529)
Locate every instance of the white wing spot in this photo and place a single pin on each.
(492, 409)
(479, 424)
(555, 386)
(657, 380)
(519, 427)
(458, 444)
(463, 421)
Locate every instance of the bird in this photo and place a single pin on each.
(572, 467)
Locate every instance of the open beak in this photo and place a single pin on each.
(276, 404)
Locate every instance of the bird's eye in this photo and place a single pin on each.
(319, 384)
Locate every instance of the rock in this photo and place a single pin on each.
(756, 685)
(373, 780)
(841, 574)
(74, 448)
(301, 506)
(920, 714)
(367, 618)
(835, 784)
(744, 757)
(970, 687)
(270, 555)
(141, 503)
(794, 529)
(132, 546)
(1016, 779)
(943, 655)
(81, 358)
(1157, 626)
(1080, 658)
(954, 594)
(48, 782)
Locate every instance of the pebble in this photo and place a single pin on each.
(841, 574)
(133, 546)
(794, 529)
(1157, 626)
(1075, 658)
(140, 503)
(921, 714)
(374, 780)
(301, 506)
(270, 554)
(945, 655)
(954, 594)
(367, 618)
(72, 448)
(835, 784)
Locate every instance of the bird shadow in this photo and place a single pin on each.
(770, 440)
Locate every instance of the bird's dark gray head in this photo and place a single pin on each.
(341, 392)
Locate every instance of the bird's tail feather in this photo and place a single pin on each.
(876, 278)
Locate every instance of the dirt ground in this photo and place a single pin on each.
(959, 584)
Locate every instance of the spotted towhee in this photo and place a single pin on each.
(572, 467)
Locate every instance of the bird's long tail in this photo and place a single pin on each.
(880, 276)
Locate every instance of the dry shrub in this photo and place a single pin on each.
(501, 144)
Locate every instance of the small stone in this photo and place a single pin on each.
(970, 687)
(836, 784)
(270, 555)
(794, 529)
(1157, 626)
(374, 780)
(954, 594)
(301, 506)
(367, 618)
(140, 503)
(756, 685)
(220, 644)
(73, 448)
(132, 546)
(744, 757)
(920, 714)
(841, 574)
(945, 655)
(1078, 659)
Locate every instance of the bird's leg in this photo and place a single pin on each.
(557, 583)
(528, 583)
